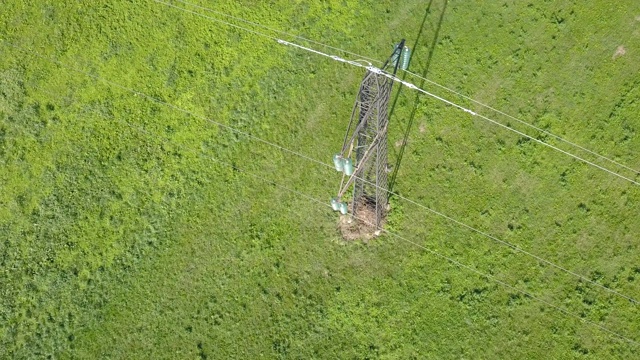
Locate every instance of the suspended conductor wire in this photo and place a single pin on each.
(158, 101)
(430, 251)
(523, 122)
(369, 60)
(216, 20)
(411, 86)
(230, 128)
(355, 63)
(460, 107)
(450, 260)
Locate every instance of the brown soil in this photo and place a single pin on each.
(362, 228)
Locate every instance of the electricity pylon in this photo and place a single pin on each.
(366, 135)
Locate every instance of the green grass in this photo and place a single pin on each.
(122, 236)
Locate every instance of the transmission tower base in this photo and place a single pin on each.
(363, 227)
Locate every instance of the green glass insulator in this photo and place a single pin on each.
(348, 167)
(338, 161)
(343, 208)
(335, 204)
(404, 58)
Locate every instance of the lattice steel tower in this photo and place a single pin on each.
(366, 135)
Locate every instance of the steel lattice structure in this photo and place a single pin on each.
(369, 121)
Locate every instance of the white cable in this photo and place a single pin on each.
(158, 101)
(512, 246)
(216, 20)
(523, 122)
(437, 254)
(311, 159)
(275, 30)
(469, 111)
(452, 261)
(432, 252)
(412, 86)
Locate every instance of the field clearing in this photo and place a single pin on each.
(135, 224)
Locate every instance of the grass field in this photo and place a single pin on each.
(135, 224)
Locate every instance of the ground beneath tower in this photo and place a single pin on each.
(360, 228)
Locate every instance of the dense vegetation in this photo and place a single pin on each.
(131, 229)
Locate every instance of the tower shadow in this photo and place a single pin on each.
(424, 74)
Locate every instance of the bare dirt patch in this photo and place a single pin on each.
(361, 228)
(423, 128)
(619, 52)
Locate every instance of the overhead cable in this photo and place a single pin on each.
(414, 87)
(414, 243)
(299, 154)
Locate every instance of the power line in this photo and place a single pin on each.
(523, 122)
(451, 260)
(272, 29)
(432, 252)
(460, 107)
(216, 20)
(457, 222)
(411, 86)
(158, 101)
(471, 112)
